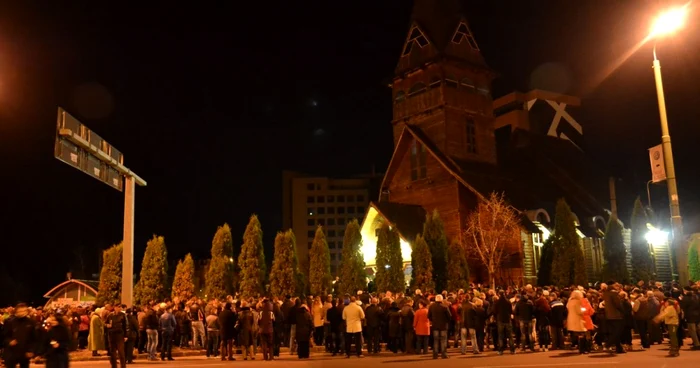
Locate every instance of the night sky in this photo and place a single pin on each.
(210, 103)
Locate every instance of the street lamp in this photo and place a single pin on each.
(665, 25)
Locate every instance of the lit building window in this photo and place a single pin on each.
(311, 212)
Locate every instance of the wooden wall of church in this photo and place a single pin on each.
(439, 190)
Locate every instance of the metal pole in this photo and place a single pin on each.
(128, 243)
(649, 194)
(676, 221)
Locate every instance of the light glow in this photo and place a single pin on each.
(655, 236)
(669, 22)
(372, 222)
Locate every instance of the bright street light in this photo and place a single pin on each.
(669, 22)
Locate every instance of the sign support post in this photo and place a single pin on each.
(128, 242)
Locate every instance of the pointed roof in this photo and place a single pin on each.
(533, 177)
(439, 31)
(438, 19)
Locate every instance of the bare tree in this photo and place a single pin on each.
(491, 230)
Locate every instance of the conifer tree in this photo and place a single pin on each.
(352, 268)
(219, 278)
(434, 235)
(183, 282)
(252, 260)
(694, 259)
(642, 263)
(319, 264)
(110, 287)
(283, 276)
(390, 275)
(544, 273)
(152, 284)
(568, 263)
(422, 263)
(457, 268)
(614, 253)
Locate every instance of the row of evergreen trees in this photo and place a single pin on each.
(562, 260)
(246, 272)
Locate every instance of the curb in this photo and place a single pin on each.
(180, 353)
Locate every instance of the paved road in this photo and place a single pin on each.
(655, 357)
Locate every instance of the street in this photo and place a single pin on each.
(654, 357)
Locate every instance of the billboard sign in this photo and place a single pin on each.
(83, 149)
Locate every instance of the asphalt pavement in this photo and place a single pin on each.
(654, 357)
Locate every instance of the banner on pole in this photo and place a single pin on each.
(658, 169)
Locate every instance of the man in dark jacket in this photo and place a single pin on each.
(690, 303)
(20, 338)
(439, 316)
(117, 330)
(524, 313)
(227, 323)
(502, 311)
(613, 316)
(641, 316)
(167, 327)
(266, 322)
(373, 318)
(557, 316)
(132, 337)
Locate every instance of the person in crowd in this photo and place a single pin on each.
(304, 330)
(20, 337)
(227, 325)
(266, 329)
(151, 323)
(56, 343)
(439, 316)
(168, 324)
(213, 335)
(96, 337)
(132, 337)
(117, 331)
(670, 316)
(353, 316)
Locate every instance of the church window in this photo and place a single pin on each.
(418, 167)
(471, 136)
(435, 82)
(463, 33)
(400, 96)
(416, 38)
(468, 84)
(451, 81)
(417, 88)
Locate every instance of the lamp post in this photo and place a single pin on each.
(666, 24)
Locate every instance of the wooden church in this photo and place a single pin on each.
(455, 144)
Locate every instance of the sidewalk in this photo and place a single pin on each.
(86, 356)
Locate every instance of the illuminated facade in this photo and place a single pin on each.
(454, 145)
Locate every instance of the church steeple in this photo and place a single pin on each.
(438, 29)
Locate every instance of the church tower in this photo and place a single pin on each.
(442, 85)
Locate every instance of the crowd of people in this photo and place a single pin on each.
(596, 318)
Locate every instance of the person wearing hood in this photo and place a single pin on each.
(96, 337)
(20, 338)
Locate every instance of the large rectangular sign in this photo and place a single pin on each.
(79, 147)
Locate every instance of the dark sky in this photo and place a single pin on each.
(209, 103)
